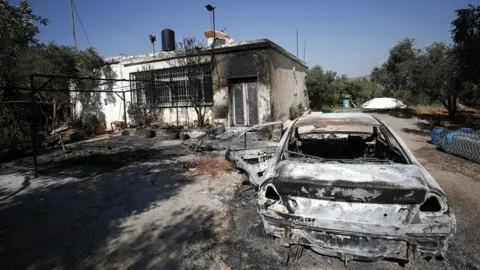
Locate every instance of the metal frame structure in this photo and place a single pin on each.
(178, 93)
(42, 87)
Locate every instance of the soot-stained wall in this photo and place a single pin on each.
(287, 74)
(236, 66)
(264, 62)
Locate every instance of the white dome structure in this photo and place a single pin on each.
(383, 103)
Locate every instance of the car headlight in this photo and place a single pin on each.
(271, 193)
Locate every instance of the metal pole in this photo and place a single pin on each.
(33, 127)
(297, 43)
(124, 110)
(54, 115)
(245, 140)
(73, 25)
(213, 44)
(304, 48)
(214, 36)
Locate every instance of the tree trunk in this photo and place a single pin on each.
(451, 105)
(200, 118)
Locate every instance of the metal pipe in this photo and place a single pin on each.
(81, 91)
(214, 33)
(213, 44)
(297, 43)
(124, 110)
(304, 49)
(54, 115)
(33, 127)
(87, 78)
(26, 101)
(245, 140)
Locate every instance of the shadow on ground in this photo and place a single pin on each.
(423, 129)
(77, 206)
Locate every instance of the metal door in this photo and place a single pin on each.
(252, 102)
(245, 102)
(237, 91)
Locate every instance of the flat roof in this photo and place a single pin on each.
(338, 119)
(220, 49)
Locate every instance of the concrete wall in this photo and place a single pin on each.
(272, 70)
(284, 94)
(108, 107)
(237, 66)
(114, 111)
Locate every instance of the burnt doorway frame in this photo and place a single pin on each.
(246, 101)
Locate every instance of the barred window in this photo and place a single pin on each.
(173, 87)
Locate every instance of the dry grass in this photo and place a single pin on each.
(473, 111)
(440, 110)
(430, 110)
(438, 116)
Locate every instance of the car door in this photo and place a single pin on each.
(252, 150)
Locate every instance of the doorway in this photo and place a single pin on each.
(244, 97)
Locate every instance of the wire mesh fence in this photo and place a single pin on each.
(15, 129)
(34, 117)
(464, 142)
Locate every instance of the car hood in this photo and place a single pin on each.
(396, 183)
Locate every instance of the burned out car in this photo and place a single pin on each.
(345, 185)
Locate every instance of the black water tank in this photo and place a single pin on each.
(168, 40)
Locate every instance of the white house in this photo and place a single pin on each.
(252, 82)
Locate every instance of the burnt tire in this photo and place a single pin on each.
(173, 136)
(149, 133)
(184, 136)
(286, 254)
(78, 135)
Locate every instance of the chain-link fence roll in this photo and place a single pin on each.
(464, 142)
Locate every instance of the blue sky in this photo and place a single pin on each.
(345, 36)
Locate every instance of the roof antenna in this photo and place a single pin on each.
(304, 49)
(297, 42)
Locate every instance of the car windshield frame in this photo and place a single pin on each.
(383, 130)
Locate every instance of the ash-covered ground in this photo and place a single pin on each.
(130, 203)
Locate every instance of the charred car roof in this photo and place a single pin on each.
(363, 119)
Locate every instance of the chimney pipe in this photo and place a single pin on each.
(152, 40)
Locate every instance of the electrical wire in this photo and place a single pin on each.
(81, 24)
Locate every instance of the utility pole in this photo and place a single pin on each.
(73, 25)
